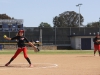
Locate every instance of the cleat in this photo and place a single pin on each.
(31, 65)
(7, 64)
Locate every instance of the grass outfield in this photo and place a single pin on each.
(51, 52)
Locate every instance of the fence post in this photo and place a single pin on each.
(41, 37)
(84, 30)
(70, 30)
(55, 35)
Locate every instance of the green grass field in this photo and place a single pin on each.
(51, 52)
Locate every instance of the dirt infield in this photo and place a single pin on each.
(51, 65)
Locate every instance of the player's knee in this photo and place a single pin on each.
(25, 56)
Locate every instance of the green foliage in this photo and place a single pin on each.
(68, 19)
(93, 24)
(4, 16)
(44, 25)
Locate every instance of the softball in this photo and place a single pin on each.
(4, 36)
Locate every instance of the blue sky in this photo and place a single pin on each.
(33, 12)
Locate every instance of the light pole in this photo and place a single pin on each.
(99, 21)
(79, 5)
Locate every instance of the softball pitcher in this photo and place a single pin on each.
(21, 47)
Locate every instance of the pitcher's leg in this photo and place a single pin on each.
(26, 57)
(95, 52)
(15, 55)
(95, 49)
(99, 50)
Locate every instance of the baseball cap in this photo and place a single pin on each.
(21, 31)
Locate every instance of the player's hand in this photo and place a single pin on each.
(38, 49)
(98, 41)
(35, 49)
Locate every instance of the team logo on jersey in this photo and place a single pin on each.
(22, 38)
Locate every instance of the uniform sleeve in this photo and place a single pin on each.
(26, 39)
(14, 38)
(94, 40)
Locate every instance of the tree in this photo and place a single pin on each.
(47, 30)
(4, 16)
(44, 25)
(93, 24)
(68, 19)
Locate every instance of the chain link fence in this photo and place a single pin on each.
(52, 36)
